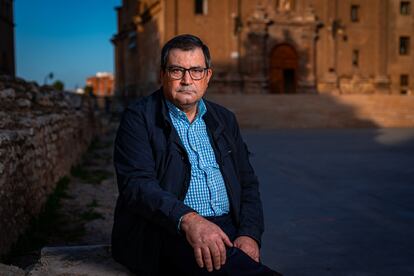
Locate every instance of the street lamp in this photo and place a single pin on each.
(48, 76)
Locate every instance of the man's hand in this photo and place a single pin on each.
(248, 246)
(207, 239)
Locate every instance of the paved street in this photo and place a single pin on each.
(337, 202)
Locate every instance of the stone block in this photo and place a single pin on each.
(43, 100)
(9, 270)
(24, 103)
(8, 93)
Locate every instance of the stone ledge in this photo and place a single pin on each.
(90, 260)
(9, 270)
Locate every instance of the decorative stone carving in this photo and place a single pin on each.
(257, 33)
(357, 84)
(259, 21)
(285, 5)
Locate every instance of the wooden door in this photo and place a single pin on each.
(283, 70)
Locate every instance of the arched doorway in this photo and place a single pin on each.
(283, 69)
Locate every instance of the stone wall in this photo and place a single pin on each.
(320, 111)
(42, 134)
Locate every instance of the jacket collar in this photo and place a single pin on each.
(210, 118)
(212, 121)
(165, 120)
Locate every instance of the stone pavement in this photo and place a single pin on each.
(337, 202)
(78, 260)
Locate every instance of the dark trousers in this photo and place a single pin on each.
(178, 256)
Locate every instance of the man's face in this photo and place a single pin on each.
(185, 92)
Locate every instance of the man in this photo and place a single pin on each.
(188, 201)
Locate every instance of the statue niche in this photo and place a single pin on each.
(285, 5)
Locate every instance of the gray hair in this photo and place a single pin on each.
(185, 42)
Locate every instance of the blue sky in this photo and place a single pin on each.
(69, 38)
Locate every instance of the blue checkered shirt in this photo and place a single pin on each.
(207, 192)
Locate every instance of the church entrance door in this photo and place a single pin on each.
(283, 70)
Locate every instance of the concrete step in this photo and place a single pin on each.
(90, 260)
(10, 270)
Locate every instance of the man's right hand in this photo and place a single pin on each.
(207, 239)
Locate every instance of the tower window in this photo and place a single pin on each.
(404, 80)
(355, 13)
(355, 58)
(404, 83)
(200, 6)
(404, 45)
(405, 8)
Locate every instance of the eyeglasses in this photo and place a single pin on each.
(177, 73)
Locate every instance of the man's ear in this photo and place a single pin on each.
(209, 74)
(161, 76)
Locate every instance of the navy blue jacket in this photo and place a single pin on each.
(153, 174)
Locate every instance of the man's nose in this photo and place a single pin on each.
(186, 79)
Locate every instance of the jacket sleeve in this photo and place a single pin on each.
(251, 210)
(139, 189)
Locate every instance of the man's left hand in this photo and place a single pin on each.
(248, 246)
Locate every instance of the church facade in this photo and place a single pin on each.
(273, 46)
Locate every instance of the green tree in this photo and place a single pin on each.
(58, 85)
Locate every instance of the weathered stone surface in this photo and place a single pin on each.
(9, 270)
(43, 133)
(7, 94)
(24, 103)
(78, 260)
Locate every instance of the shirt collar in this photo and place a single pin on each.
(179, 114)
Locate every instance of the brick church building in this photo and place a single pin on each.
(273, 46)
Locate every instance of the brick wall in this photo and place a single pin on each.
(320, 111)
(42, 134)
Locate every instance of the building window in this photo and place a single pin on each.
(404, 83)
(201, 6)
(404, 45)
(355, 58)
(405, 8)
(355, 13)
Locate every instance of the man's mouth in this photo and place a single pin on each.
(185, 91)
